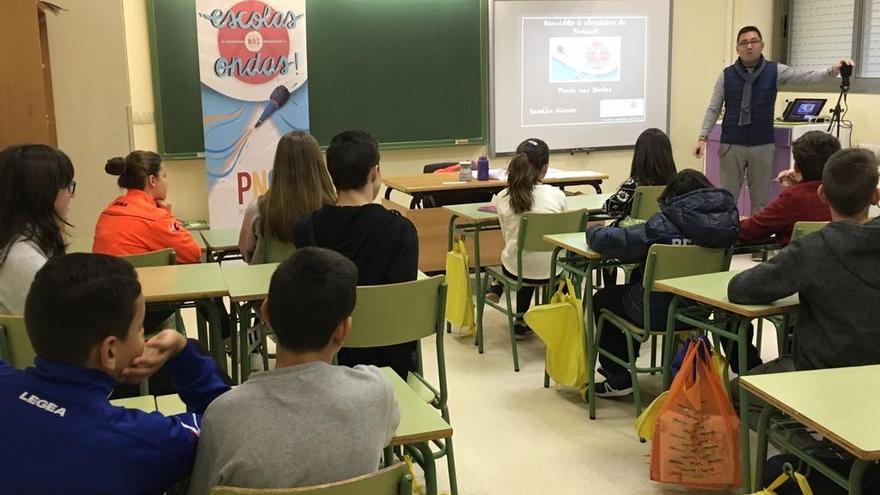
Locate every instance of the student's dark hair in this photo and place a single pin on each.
(684, 182)
(78, 300)
(537, 151)
(31, 175)
(524, 172)
(134, 169)
(350, 157)
(310, 293)
(652, 163)
(849, 180)
(811, 151)
(749, 29)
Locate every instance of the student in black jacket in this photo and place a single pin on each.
(383, 244)
(692, 211)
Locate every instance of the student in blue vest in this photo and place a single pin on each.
(747, 91)
(84, 315)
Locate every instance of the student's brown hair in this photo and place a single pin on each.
(524, 172)
(300, 185)
(134, 169)
(849, 180)
(811, 151)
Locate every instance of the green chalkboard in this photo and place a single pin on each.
(411, 72)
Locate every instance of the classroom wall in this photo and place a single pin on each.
(702, 44)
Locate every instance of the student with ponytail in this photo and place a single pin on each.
(140, 221)
(525, 193)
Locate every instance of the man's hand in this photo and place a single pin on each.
(789, 178)
(157, 351)
(835, 69)
(699, 149)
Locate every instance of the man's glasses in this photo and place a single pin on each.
(72, 187)
(745, 43)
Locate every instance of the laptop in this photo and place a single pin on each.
(803, 109)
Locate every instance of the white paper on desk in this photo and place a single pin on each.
(498, 173)
(555, 173)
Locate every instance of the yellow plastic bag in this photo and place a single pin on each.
(798, 477)
(646, 421)
(560, 325)
(459, 296)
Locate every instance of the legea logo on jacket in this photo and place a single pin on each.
(42, 404)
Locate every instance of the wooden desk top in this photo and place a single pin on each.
(177, 283)
(471, 211)
(711, 289)
(575, 242)
(146, 403)
(839, 403)
(248, 282)
(169, 405)
(419, 421)
(219, 239)
(422, 183)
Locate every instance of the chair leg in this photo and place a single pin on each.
(653, 353)
(450, 465)
(594, 359)
(510, 324)
(637, 396)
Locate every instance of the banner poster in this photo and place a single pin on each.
(253, 72)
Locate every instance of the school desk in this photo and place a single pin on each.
(474, 221)
(838, 403)
(176, 285)
(220, 244)
(247, 285)
(146, 403)
(580, 261)
(711, 290)
(420, 185)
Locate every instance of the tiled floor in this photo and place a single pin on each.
(513, 436)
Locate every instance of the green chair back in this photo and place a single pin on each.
(534, 226)
(645, 201)
(393, 480)
(162, 257)
(275, 251)
(396, 313)
(803, 228)
(665, 261)
(15, 345)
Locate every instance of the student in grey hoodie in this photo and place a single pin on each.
(835, 272)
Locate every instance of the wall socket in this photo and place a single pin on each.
(142, 118)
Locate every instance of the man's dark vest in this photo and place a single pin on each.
(760, 131)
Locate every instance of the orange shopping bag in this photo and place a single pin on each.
(696, 438)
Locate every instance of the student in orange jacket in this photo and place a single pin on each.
(141, 220)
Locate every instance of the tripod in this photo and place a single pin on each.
(837, 112)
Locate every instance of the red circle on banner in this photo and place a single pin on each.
(265, 44)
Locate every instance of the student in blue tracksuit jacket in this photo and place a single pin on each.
(692, 211)
(59, 434)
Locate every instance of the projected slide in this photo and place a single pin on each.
(578, 73)
(586, 80)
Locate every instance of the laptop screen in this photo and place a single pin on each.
(802, 109)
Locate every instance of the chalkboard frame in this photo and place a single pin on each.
(159, 118)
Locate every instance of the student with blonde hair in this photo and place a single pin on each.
(300, 184)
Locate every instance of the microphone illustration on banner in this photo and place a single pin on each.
(277, 99)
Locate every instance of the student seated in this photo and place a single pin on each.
(141, 221)
(796, 203)
(300, 185)
(83, 315)
(692, 211)
(36, 187)
(306, 422)
(525, 194)
(652, 165)
(834, 272)
(382, 244)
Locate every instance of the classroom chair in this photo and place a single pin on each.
(275, 251)
(393, 480)
(532, 229)
(438, 199)
(15, 345)
(663, 262)
(397, 313)
(645, 202)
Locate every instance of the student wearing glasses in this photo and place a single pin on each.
(747, 92)
(36, 186)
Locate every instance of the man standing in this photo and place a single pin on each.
(747, 90)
